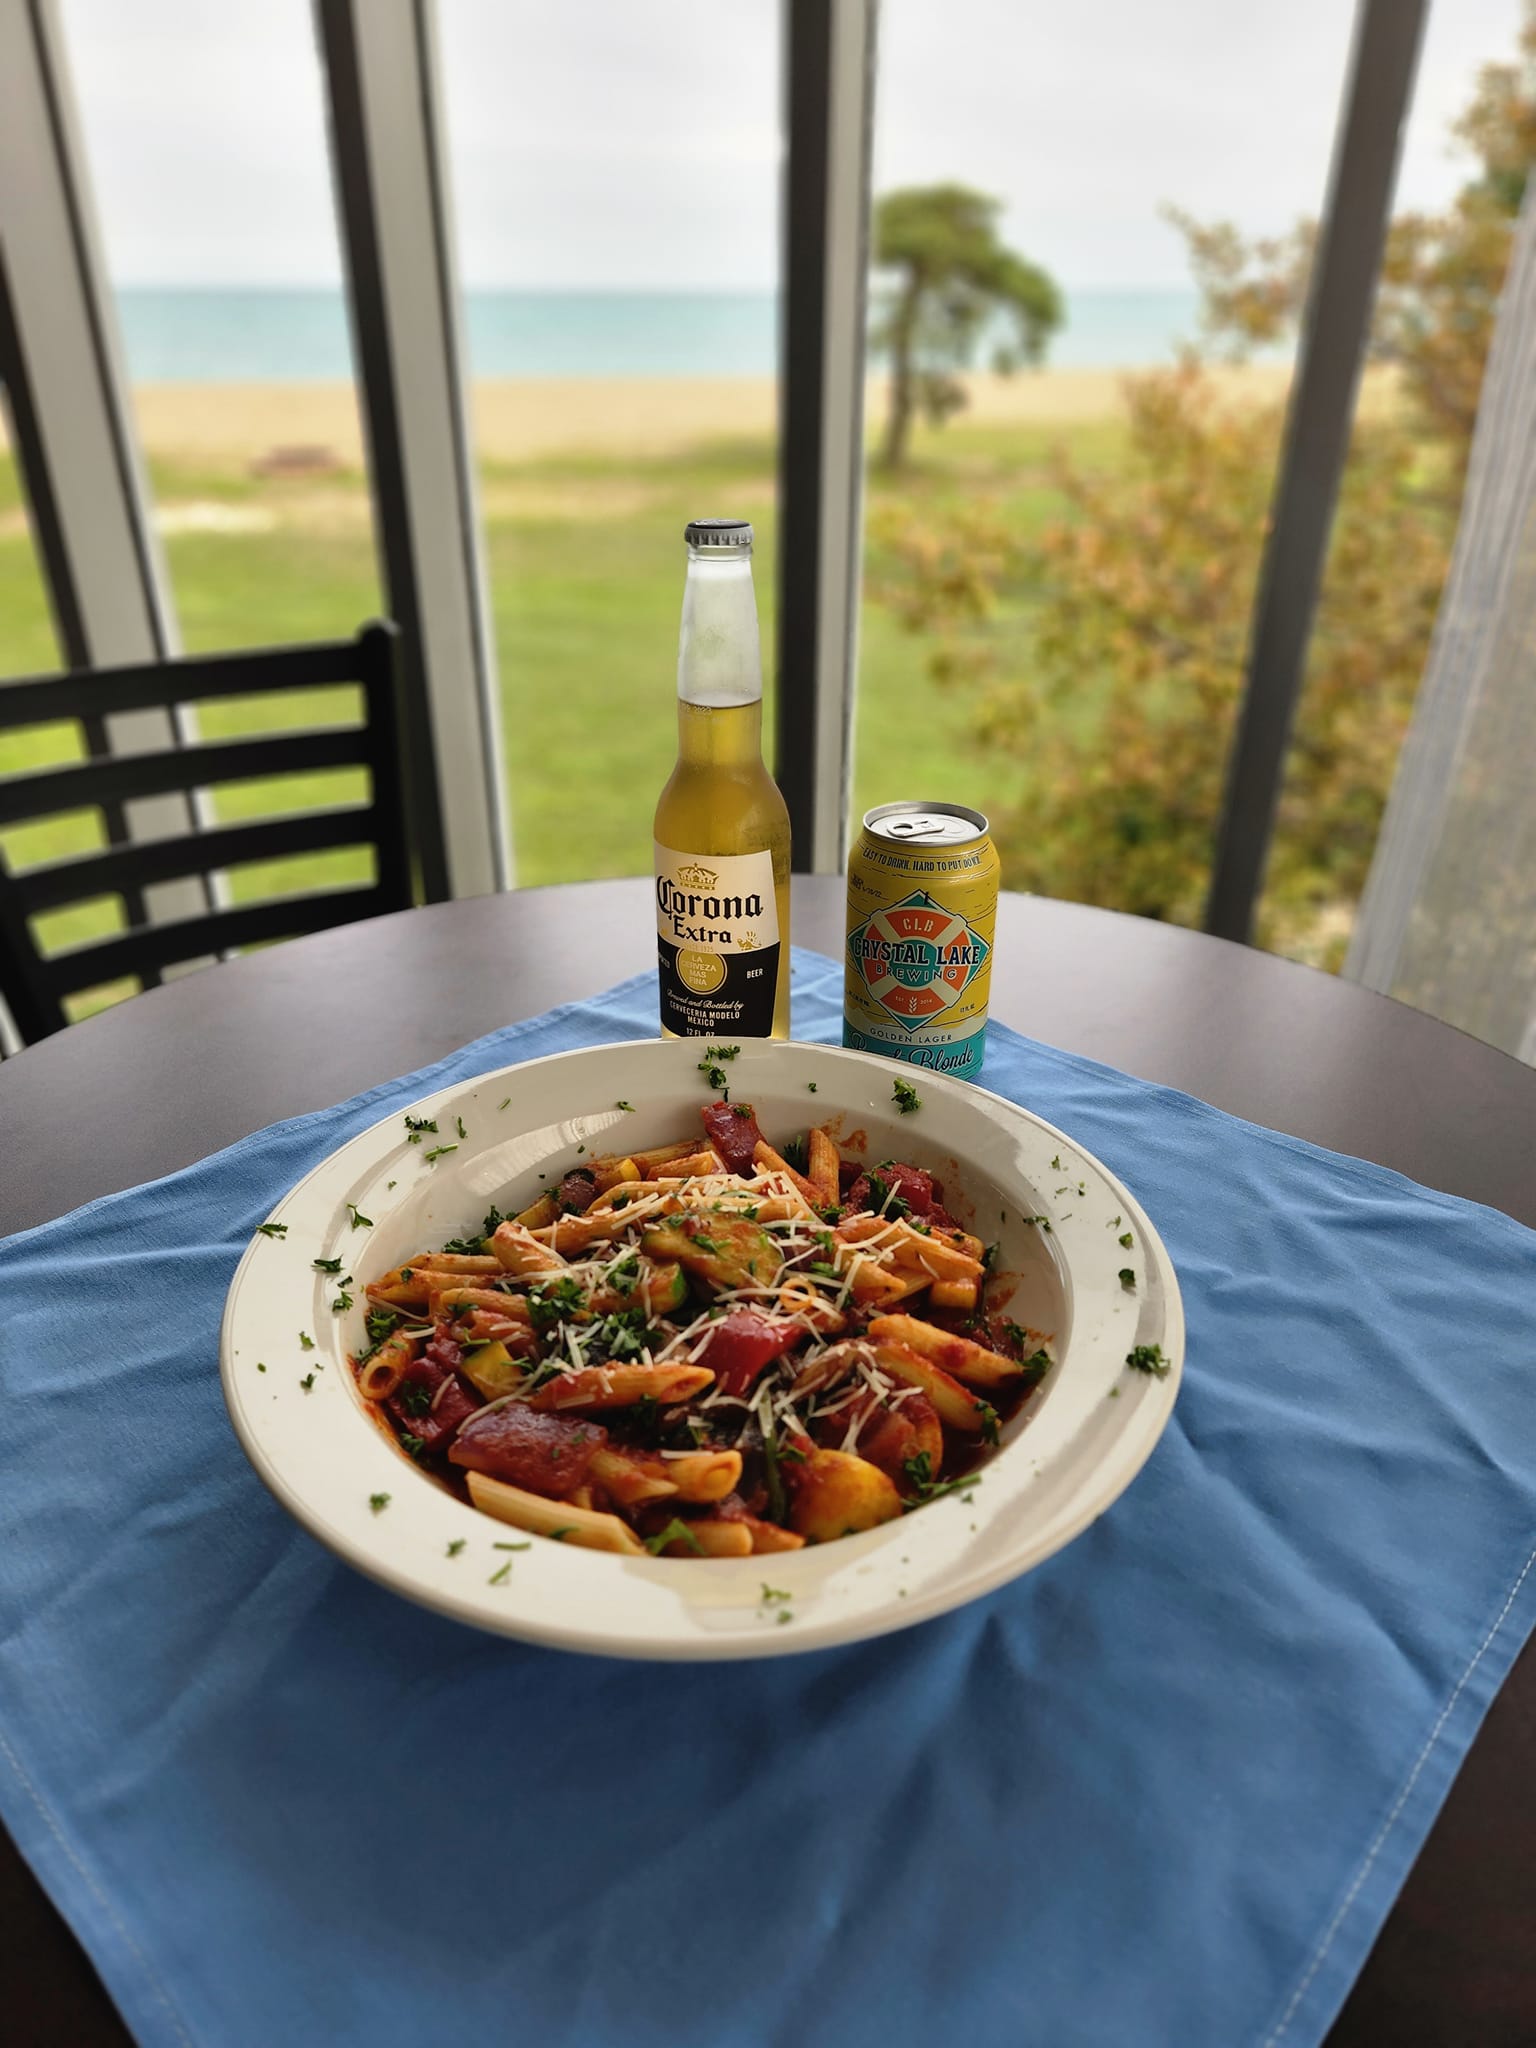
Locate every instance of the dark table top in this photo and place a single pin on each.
(175, 1074)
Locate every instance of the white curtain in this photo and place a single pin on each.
(1448, 919)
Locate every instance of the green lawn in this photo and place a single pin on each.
(586, 568)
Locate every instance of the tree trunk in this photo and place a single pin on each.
(898, 423)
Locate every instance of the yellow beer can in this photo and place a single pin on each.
(922, 915)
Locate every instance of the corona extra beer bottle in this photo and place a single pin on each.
(722, 831)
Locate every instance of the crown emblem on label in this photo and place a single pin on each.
(692, 876)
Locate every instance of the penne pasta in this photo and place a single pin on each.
(821, 1167)
(583, 1528)
(447, 1301)
(380, 1375)
(629, 1479)
(621, 1386)
(765, 1156)
(957, 1407)
(719, 1357)
(958, 1356)
(517, 1250)
(768, 1537)
(711, 1539)
(703, 1475)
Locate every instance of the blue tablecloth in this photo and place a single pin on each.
(1161, 1793)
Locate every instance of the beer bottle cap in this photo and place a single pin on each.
(721, 535)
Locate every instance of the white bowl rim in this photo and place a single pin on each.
(1146, 1416)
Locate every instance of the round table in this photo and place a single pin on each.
(177, 1073)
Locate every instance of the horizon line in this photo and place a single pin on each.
(658, 291)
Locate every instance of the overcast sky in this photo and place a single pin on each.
(635, 142)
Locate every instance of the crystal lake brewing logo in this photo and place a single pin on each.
(917, 958)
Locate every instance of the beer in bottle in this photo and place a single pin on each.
(722, 831)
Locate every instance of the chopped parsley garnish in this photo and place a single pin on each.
(784, 1616)
(720, 1052)
(550, 1305)
(742, 1109)
(1149, 1358)
(716, 1077)
(503, 1102)
(415, 1398)
(919, 1473)
(559, 1535)
(812, 1086)
(378, 1502)
(379, 1322)
(421, 1123)
(259, 1366)
(620, 1337)
(989, 1257)
(772, 1593)
(1127, 1277)
(676, 1531)
(458, 1124)
(822, 1269)
(306, 1342)
(500, 1578)
(797, 1153)
(625, 1105)
(1056, 1163)
(327, 1265)
(457, 1545)
(906, 1097)
(413, 1446)
(438, 1152)
(342, 1303)
(512, 1546)
(1036, 1366)
(358, 1220)
(272, 1229)
(1126, 1239)
(991, 1422)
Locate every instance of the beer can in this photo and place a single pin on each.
(922, 914)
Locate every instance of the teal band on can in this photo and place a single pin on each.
(961, 1057)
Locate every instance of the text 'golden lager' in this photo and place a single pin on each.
(722, 831)
(922, 913)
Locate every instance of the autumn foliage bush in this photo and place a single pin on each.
(1104, 654)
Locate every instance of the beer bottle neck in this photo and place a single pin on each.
(719, 663)
(720, 735)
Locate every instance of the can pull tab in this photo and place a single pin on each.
(917, 828)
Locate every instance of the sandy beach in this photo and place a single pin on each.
(515, 420)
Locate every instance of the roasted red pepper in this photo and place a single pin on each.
(731, 1128)
(546, 1454)
(742, 1343)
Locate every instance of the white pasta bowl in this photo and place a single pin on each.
(1064, 1459)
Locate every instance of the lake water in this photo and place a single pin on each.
(300, 336)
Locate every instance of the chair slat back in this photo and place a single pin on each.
(36, 986)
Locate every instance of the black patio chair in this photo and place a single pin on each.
(34, 986)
